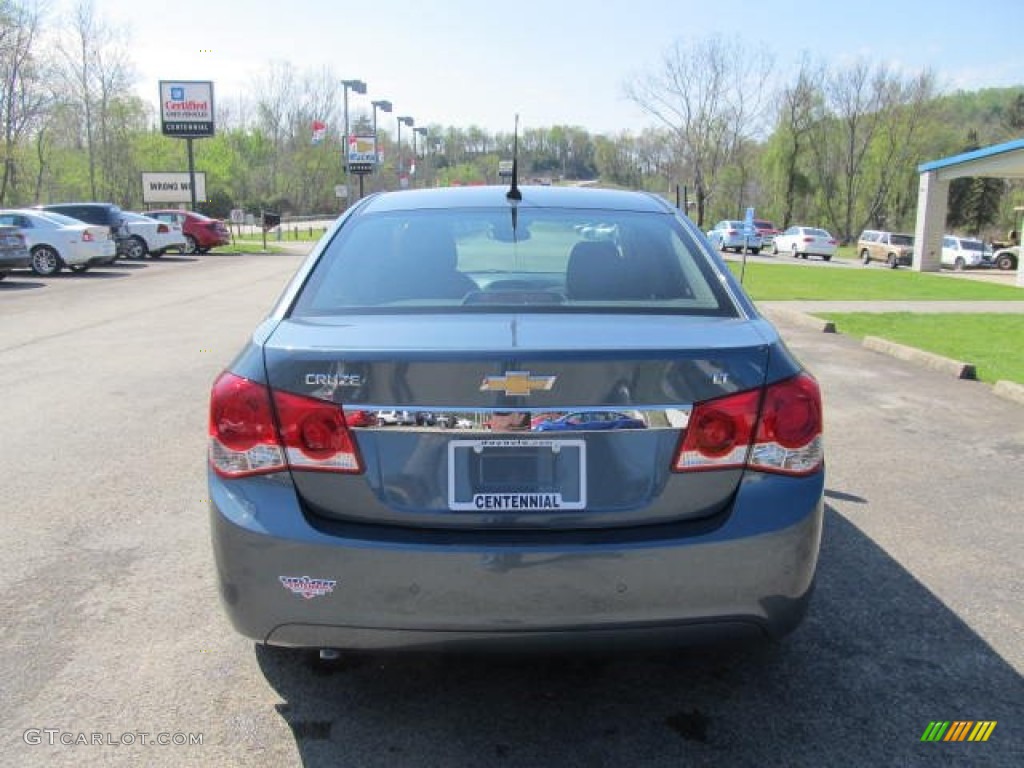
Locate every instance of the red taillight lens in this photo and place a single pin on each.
(162, 229)
(808, 239)
(315, 435)
(87, 237)
(718, 434)
(246, 440)
(243, 439)
(727, 433)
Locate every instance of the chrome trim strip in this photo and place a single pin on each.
(520, 420)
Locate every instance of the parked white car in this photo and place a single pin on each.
(56, 241)
(806, 241)
(149, 236)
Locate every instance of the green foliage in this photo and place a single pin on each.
(974, 202)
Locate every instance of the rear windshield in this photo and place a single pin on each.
(972, 245)
(549, 260)
(902, 239)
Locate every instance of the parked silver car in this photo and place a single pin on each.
(731, 235)
(697, 516)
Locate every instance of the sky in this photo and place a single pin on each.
(559, 62)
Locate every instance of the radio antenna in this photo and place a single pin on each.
(513, 192)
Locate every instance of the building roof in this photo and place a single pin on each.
(1000, 160)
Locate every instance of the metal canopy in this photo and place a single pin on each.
(1004, 161)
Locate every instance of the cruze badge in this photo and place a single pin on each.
(517, 383)
(307, 587)
(334, 380)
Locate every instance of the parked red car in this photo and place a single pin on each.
(201, 232)
(767, 230)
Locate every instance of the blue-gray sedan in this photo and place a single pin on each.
(469, 528)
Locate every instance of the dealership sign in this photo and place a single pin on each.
(171, 187)
(186, 108)
(362, 154)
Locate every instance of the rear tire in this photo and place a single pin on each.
(1006, 262)
(826, 258)
(135, 248)
(891, 261)
(190, 245)
(46, 261)
(865, 257)
(959, 264)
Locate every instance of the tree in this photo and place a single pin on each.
(973, 201)
(797, 107)
(23, 98)
(863, 136)
(96, 75)
(709, 95)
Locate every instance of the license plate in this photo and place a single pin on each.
(517, 476)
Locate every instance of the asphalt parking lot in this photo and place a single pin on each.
(113, 627)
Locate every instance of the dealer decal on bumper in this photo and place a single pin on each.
(307, 587)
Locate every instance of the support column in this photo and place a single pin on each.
(1020, 251)
(932, 198)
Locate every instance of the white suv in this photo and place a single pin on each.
(963, 252)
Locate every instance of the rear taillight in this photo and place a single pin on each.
(245, 438)
(727, 433)
(315, 435)
(162, 229)
(87, 237)
(808, 239)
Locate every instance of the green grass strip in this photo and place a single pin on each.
(770, 282)
(992, 342)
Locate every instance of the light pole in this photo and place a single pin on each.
(422, 132)
(409, 122)
(383, 106)
(359, 87)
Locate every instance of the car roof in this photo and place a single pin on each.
(533, 197)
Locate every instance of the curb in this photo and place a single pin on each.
(957, 368)
(1011, 390)
(801, 318)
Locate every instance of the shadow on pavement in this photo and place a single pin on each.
(99, 273)
(878, 658)
(15, 282)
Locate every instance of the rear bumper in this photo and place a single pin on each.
(750, 575)
(15, 261)
(212, 240)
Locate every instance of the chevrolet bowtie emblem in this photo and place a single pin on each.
(517, 383)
